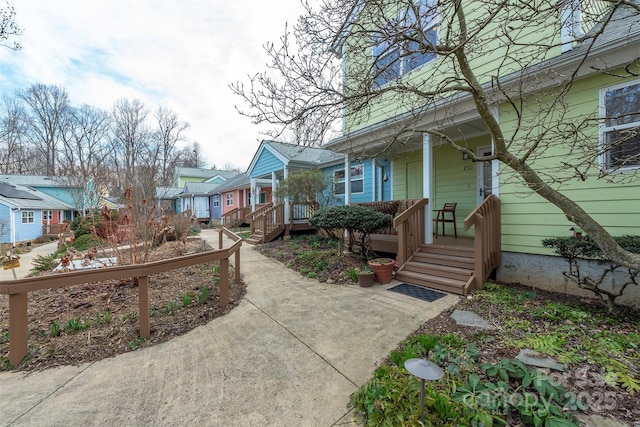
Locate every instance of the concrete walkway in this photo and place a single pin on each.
(289, 355)
(27, 258)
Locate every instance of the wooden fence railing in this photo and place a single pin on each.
(302, 211)
(19, 289)
(487, 245)
(235, 217)
(409, 226)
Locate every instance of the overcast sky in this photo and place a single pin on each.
(181, 54)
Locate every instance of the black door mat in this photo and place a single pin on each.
(419, 292)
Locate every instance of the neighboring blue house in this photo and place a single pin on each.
(370, 178)
(59, 188)
(24, 211)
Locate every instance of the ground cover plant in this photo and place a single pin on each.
(483, 382)
(90, 322)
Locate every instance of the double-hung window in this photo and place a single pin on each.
(620, 126)
(420, 26)
(357, 180)
(28, 217)
(229, 199)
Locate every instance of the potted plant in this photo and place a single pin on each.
(383, 269)
(365, 277)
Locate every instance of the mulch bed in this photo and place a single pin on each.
(174, 304)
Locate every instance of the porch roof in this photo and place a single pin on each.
(199, 189)
(237, 182)
(294, 155)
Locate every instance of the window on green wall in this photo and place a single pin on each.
(392, 60)
(620, 126)
(28, 217)
(357, 180)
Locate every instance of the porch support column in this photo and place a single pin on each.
(274, 183)
(347, 180)
(427, 186)
(254, 196)
(286, 200)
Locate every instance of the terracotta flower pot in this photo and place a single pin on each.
(365, 279)
(383, 268)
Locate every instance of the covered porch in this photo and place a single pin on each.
(452, 264)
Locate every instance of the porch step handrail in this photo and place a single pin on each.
(255, 222)
(487, 244)
(410, 228)
(228, 217)
(267, 222)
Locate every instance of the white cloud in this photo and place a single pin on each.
(182, 55)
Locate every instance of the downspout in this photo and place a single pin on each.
(374, 182)
(427, 186)
(13, 225)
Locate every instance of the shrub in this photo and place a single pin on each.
(43, 263)
(574, 249)
(358, 221)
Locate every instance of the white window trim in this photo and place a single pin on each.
(342, 180)
(30, 219)
(603, 129)
(570, 24)
(229, 197)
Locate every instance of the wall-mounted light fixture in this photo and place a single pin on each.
(385, 177)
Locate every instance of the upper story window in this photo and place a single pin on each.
(357, 180)
(620, 126)
(28, 217)
(570, 23)
(390, 60)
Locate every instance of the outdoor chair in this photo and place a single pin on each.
(444, 215)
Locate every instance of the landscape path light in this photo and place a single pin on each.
(424, 370)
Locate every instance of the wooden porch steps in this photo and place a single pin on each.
(254, 239)
(449, 269)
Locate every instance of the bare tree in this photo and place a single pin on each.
(86, 144)
(131, 141)
(46, 109)
(8, 26)
(169, 133)
(191, 156)
(484, 55)
(84, 154)
(14, 154)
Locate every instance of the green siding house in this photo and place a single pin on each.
(563, 88)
